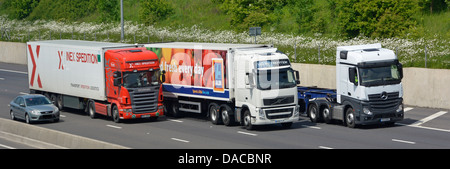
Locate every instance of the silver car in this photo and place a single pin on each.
(33, 108)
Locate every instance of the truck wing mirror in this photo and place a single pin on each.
(352, 76)
(400, 70)
(117, 74)
(297, 76)
(163, 76)
(117, 82)
(249, 82)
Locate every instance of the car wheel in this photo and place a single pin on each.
(27, 119)
(12, 115)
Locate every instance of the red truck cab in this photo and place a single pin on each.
(133, 85)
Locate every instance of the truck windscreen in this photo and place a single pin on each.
(376, 76)
(141, 79)
(275, 79)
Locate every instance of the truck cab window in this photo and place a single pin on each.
(141, 79)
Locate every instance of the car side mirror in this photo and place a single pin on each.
(22, 105)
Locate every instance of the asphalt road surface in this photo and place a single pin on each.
(421, 128)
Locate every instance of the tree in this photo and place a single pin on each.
(23, 8)
(375, 18)
(248, 13)
(109, 10)
(152, 11)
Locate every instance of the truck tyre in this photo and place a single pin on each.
(214, 113)
(227, 117)
(313, 113)
(248, 120)
(350, 118)
(176, 110)
(91, 110)
(326, 114)
(115, 114)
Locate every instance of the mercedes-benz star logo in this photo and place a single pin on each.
(384, 96)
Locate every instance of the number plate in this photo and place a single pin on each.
(145, 116)
(385, 119)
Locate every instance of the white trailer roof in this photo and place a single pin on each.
(210, 46)
(81, 43)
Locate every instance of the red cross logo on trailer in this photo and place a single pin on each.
(33, 60)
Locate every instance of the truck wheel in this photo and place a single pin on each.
(176, 110)
(350, 118)
(313, 113)
(115, 114)
(227, 116)
(326, 114)
(214, 113)
(91, 110)
(248, 120)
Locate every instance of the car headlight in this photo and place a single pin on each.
(367, 111)
(55, 110)
(400, 108)
(36, 112)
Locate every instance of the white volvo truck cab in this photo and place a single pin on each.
(266, 88)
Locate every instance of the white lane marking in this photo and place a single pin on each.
(403, 141)
(62, 115)
(5, 146)
(117, 127)
(313, 127)
(178, 121)
(431, 128)
(180, 140)
(23, 93)
(2, 78)
(426, 119)
(13, 71)
(324, 147)
(407, 109)
(250, 134)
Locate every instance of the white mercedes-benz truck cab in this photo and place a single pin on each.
(369, 86)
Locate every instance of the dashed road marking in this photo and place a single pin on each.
(5, 146)
(250, 134)
(313, 127)
(2, 78)
(324, 147)
(403, 141)
(178, 121)
(13, 71)
(180, 140)
(116, 127)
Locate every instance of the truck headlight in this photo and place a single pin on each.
(400, 108)
(296, 111)
(262, 116)
(367, 111)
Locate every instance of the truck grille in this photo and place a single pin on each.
(144, 100)
(279, 113)
(279, 100)
(384, 103)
